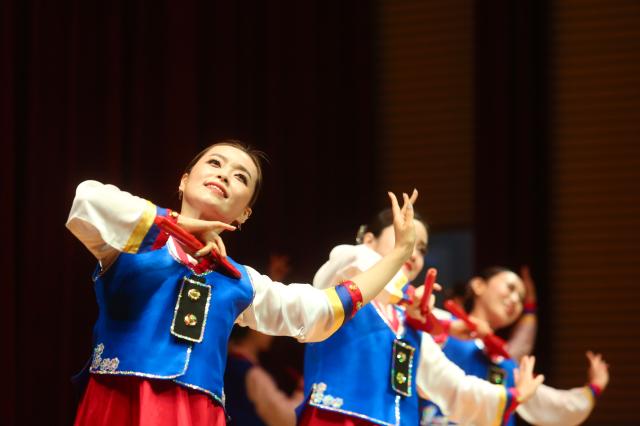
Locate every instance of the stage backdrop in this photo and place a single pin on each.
(127, 92)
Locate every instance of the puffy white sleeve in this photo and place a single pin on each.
(462, 398)
(109, 221)
(556, 407)
(297, 310)
(343, 262)
(346, 261)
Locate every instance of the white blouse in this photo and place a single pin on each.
(109, 221)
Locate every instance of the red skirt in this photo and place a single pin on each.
(136, 401)
(313, 416)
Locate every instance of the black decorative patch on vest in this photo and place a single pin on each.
(402, 367)
(496, 375)
(192, 307)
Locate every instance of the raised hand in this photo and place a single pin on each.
(459, 329)
(414, 309)
(529, 285)
(403, 222)
(598, 370)
(526, 383)
(208, 232)
(373, 280)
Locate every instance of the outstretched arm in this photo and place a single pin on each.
(109, 221)
(373, 280)
(524, 332)
(310, 314)
(559, 407)
(273, 406)
(469, 399)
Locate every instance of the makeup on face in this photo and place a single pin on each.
(385, 242)
(503, 298)
(220, 185)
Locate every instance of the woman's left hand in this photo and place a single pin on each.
(403, 222)
(208, 232)
(598, 370)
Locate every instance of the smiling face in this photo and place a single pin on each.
(220, 185)
(385, 242)
(498, 300)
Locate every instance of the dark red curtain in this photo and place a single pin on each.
(127, 92)
(512, 144)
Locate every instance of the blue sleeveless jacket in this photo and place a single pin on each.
(137, 297)
(351, 372)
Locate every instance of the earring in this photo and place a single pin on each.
(360, 235)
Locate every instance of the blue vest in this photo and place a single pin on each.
(470, 357)
(137, 297)
(350, 372)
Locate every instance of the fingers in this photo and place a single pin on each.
(409, 201)
(414, 196)
(216, 244)
(526, 365)
(529, 364)
(593, 356)
(221, 248)
(407, 204)
(219, 226)
(437, 287)
(198, 225)
(407, 208)
(206, 249)
(598, 373)
(395, 208)
(524, 374)
(594, 359)
(597, 364)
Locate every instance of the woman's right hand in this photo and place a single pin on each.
(529, 285)
(526, 383)
(403, 226)
(208, 232)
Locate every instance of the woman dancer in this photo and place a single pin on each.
(365, 373)
(496, 296)
(522, 335)
(166, 311)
